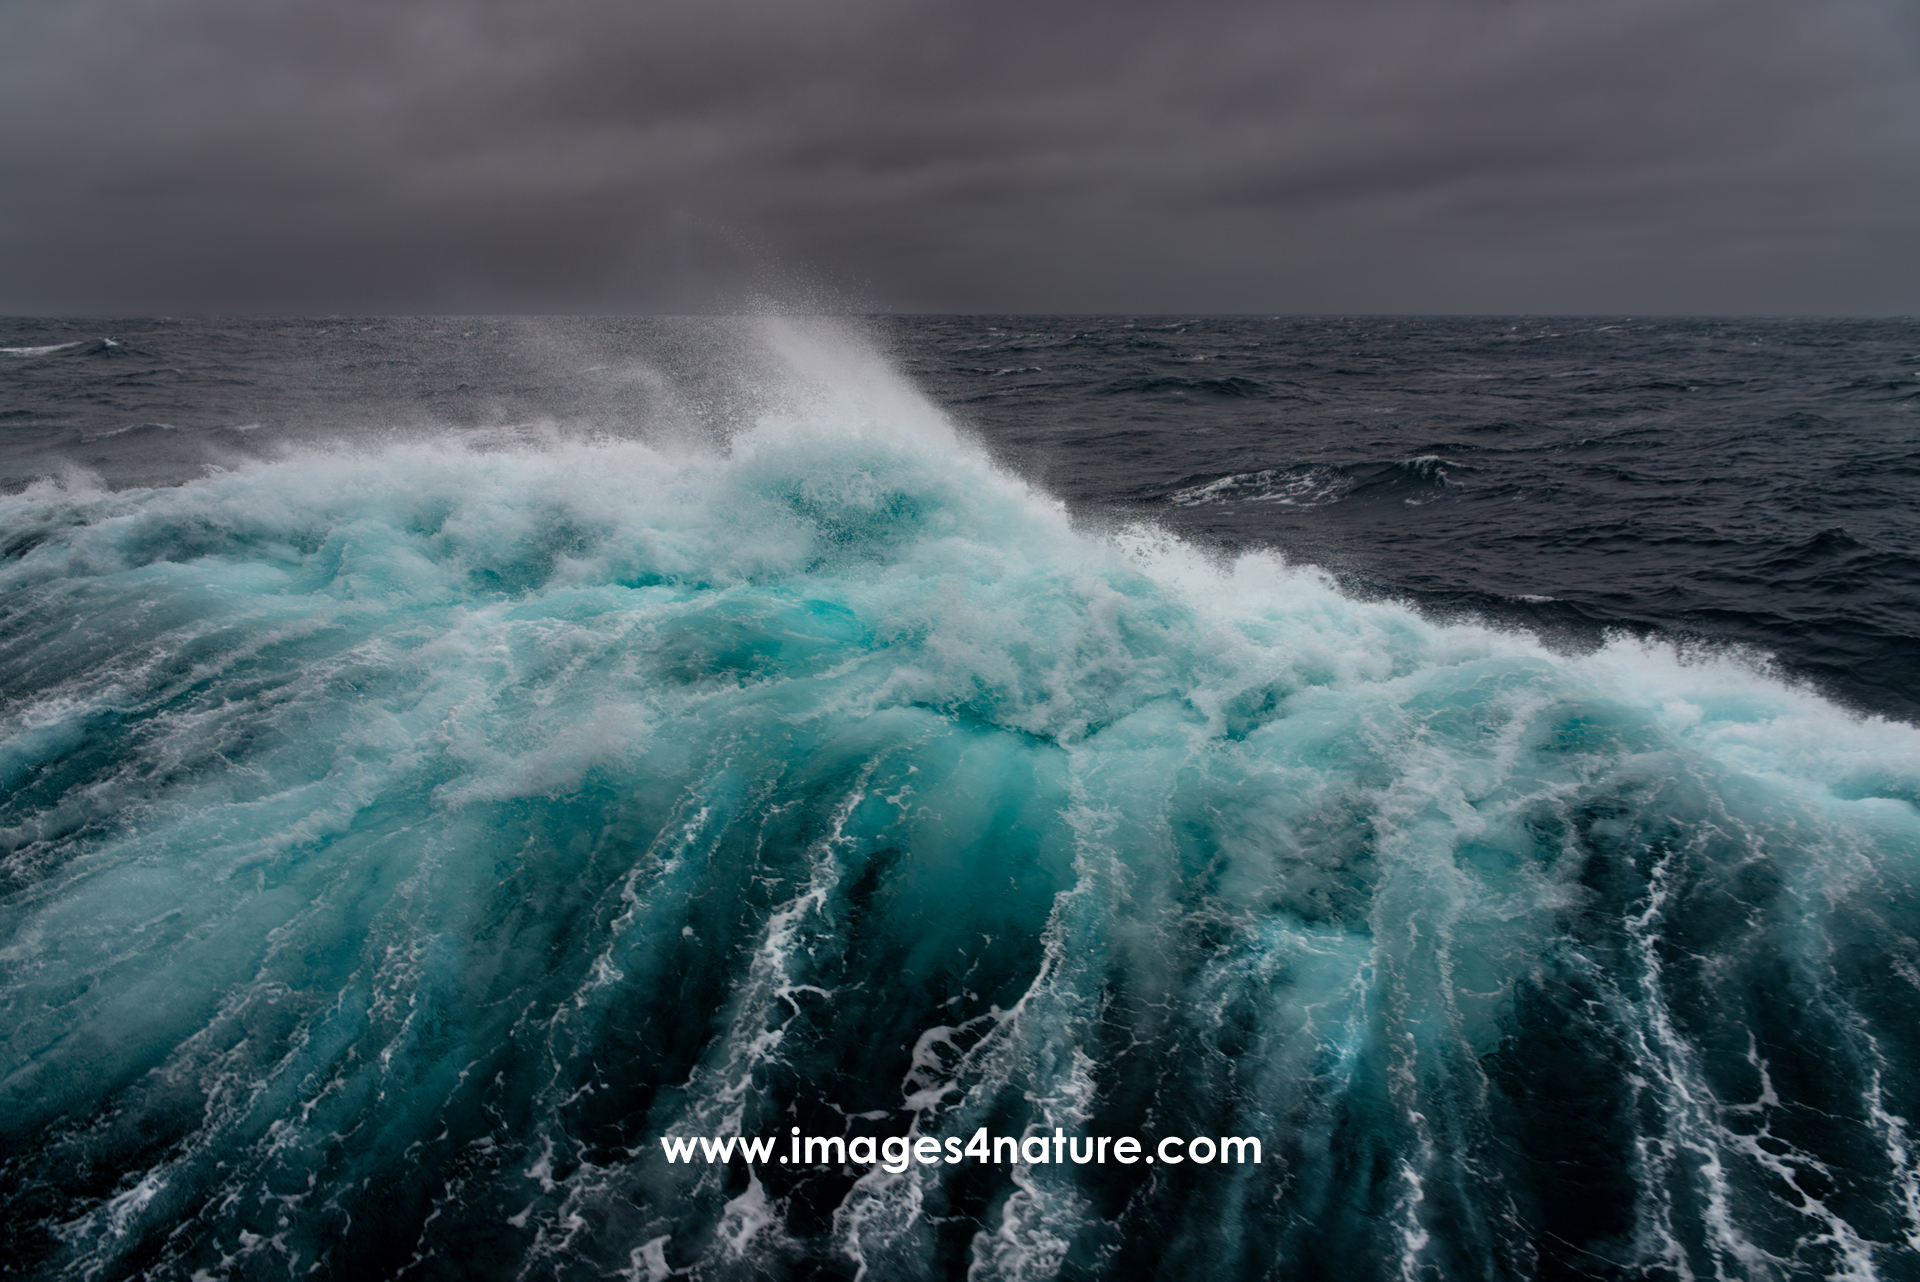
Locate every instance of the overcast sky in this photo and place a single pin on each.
(1596, 156)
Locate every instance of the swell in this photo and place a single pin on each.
(399, 843)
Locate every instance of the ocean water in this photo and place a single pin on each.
(443, 757)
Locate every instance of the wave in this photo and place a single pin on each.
(1298, 486)
(398, 843)
(1412, 481)
(108, 348)
(44, 350)
(1234, 386)
(137, 430)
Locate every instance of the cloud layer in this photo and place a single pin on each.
(1285, 156)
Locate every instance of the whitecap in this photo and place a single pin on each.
(45, 350)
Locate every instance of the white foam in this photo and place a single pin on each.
(45, 350)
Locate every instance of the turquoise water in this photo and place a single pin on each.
(401, 838)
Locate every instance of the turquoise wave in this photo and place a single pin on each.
(400, 840)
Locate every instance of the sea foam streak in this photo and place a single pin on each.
(45, 349)
(399, 842)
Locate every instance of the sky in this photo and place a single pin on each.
(1280, 156)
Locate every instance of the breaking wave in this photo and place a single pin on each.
(45, 349)
(398, 842)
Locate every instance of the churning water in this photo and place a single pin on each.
(404, 830)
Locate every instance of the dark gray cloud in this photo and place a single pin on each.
(1291, 155)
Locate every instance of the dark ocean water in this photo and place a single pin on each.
(444, 756)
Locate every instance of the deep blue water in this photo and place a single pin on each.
(443, 756)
